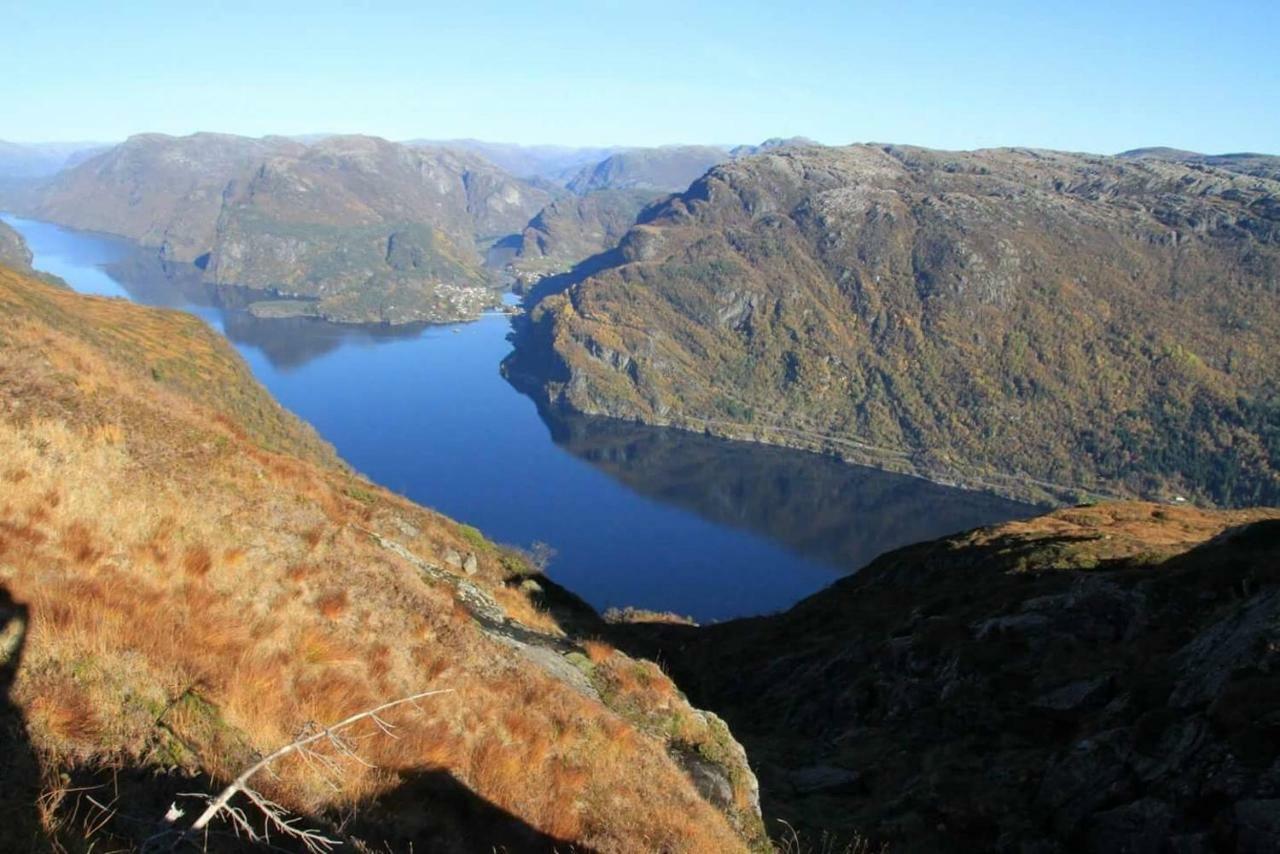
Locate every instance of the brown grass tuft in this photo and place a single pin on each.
(598, 651)
(196, 561)
(332, 604)
(62, 712)
(78, 543)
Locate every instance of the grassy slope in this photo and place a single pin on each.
(188, 577)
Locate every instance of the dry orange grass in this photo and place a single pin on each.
(183, 577)
(598, 651)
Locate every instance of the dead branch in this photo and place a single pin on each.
(275, 816)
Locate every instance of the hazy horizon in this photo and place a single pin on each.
(1093, 77)
(88, 143)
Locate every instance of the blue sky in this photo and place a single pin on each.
(1090, 76)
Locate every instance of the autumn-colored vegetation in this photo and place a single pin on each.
(1051, 326)
(191, 579)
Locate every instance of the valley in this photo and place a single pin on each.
(734, 593)
(425, 412)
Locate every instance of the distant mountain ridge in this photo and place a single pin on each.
(609, 195)
(1247, 163)
(551, 162)
(349, 228)
(1039, 323)
(41, 159)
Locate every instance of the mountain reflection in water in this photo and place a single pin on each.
(656, 518)
(822, 508)
(287, 342)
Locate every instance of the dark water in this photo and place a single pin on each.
(641, 516)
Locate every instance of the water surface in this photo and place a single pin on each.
(642, 516)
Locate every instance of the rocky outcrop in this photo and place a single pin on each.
(1100, 679)
(1048, 325)
(14, 252)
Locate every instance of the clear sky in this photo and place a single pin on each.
(1089, 75)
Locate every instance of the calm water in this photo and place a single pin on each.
(638, 516)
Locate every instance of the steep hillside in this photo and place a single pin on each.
(1033, 322)
(609, 196)
(350, 228)
(370, 229)
(1100, 679)
(189, 580)
(14, 252)
(159, 190)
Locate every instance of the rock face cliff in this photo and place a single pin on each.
(14, 252)
(189, 579)
(1035, 322)
(351, 228)
(1100, 679)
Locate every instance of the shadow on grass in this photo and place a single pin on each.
(120, 807)
(19, 769)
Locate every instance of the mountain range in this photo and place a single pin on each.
(191, 578)
(37, 160)
(1048, 325)
(353, 229)
(608, 196)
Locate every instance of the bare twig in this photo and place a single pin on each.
(275, 815)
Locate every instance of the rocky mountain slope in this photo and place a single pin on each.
(349, 228)
(372, 230)
(1100, 679)
(159, 190)
(189, 580)
(14, 252)
(1032, 322)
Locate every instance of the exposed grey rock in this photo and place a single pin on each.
(470, 564)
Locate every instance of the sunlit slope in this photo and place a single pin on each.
(1041, 323)
(189, 579)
